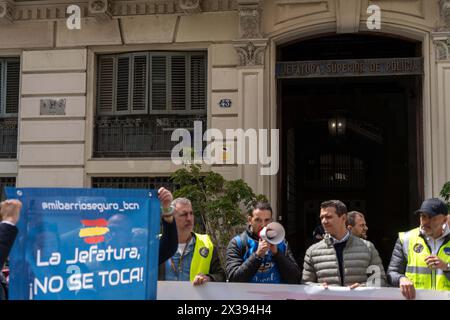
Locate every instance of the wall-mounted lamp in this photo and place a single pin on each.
(337, 126)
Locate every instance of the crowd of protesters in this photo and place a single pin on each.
(341, 256)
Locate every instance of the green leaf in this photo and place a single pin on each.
(445, 193)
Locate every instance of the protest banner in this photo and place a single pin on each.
(85, 244)
(173, 290)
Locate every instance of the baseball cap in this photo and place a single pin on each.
(433, 207)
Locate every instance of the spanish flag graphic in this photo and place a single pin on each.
(94, 230)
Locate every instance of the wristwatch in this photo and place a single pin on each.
(167, 212)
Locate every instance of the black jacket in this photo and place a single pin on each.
(239, 270)
(397, 266)
(8, 234)
(169, 241)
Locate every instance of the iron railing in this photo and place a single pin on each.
(133, 183)
(140, 136)
(6, 182)
(8, 138)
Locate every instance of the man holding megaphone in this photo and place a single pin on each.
(261, 254)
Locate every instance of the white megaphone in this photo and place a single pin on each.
(273, 233)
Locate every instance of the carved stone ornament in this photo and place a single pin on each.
(442, 44)
(249, 19)
(6, 11)
(445, 12)
(190, 6)
(100, 9)
(250, 54)
(56, 10)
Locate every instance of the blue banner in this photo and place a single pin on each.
(85, 244)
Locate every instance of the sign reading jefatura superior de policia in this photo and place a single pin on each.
(349, 68)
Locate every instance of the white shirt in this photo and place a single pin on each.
(8, 222)
(345, 238)
(181, 247)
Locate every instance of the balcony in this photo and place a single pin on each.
(140, 136)
(134, 183)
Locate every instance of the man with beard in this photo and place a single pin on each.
(421, 257)
(356, 224)
(251, 259)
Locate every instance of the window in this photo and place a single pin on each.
(6, 182)
(335, 171)
(143, 96)
(9, 87)
(9, 106)
(151, 83)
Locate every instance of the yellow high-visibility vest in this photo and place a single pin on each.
(201, 259)
(417, 269)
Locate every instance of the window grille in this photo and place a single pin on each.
(334, 172)
(133, 183)
(6, 182)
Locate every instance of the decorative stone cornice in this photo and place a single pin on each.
(251, 53)
(190, 6)
(55, 10)
(6, 11)
(100, 9)
(442, 43)
(445, 12)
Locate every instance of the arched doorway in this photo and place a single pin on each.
(350, 133)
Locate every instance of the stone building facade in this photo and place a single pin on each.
(240, 41)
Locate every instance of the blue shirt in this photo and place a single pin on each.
(268, 271)
(178, 267)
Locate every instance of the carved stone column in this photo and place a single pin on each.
(445, 13)
(441, 38)
(251, 45)
(249, 19)
(6, 11)
(438, 115)
(100, 9)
